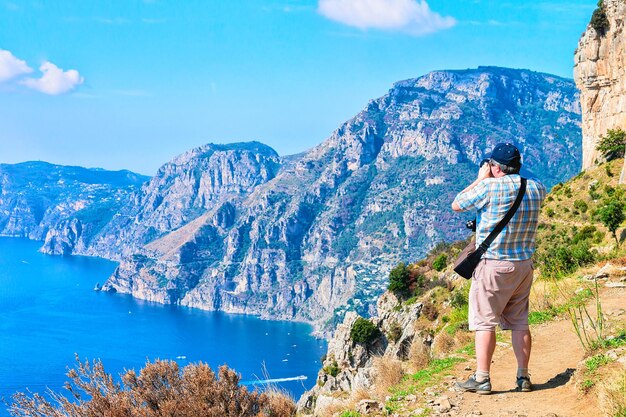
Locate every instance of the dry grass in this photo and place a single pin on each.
(548, 294)
(443, 344)
(612, 394)
(617, 262)
(335, 407)
(387, 373)
(419, 355)
(345, 404)
(280, 403)
(463, 338)
(542, 295)
(358, 395)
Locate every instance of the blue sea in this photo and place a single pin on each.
(49, 312)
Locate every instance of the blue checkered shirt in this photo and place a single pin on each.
(492, 198)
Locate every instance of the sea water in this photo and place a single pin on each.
(49, 312)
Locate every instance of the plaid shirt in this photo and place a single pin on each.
(493, 197)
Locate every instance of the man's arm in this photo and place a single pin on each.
(484, 172)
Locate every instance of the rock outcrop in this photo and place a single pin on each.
(600, 74)
(349, 366)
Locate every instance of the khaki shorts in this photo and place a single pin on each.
(499, 295)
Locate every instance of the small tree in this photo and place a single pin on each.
(599, 20)
(399, 280)
(440, 262)
(364, 331)
(613, 144)
(612, 216)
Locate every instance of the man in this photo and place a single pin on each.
(501, 283)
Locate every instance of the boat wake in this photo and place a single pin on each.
(275, 380)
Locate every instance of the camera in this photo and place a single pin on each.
(471, 224)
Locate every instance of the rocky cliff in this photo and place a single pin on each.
(600, 74)
(181, 191)
(310, 237)
(317, 239)
(349, 366)
(38, 198)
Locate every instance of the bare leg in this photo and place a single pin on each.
(522, 343)
(485, 346)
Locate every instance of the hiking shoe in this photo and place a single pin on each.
(472, 385)
(523, 384)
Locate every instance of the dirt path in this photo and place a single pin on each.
(556, 353)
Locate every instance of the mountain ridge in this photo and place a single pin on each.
(311, 236)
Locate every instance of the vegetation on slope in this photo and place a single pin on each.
(580, 230)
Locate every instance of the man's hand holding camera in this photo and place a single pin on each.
(484, 171)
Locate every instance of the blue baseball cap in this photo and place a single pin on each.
(506, 154)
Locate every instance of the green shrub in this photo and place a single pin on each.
(549, 212)
(561, 259)
(459, 299)
(599, 20)
(586, 233)
(598, 236)
(418, 283)
(592, 364)
(609, 173)
(613, 144)
(567, 191)
(332, 369)
(364, 331)
(440, 262)
(395, 332)
(611, 214)
(593, 193)
(399, 280)
(581, 206)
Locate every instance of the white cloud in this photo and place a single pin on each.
(54, 80)
(11, 67)
(410, 16)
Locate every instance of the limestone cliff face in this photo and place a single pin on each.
(319, 238)
(600, 74)
(64, 205)
(182, 190)
(310, 237)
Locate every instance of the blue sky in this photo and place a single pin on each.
(131, 83)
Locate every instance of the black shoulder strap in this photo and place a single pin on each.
(505, 220)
